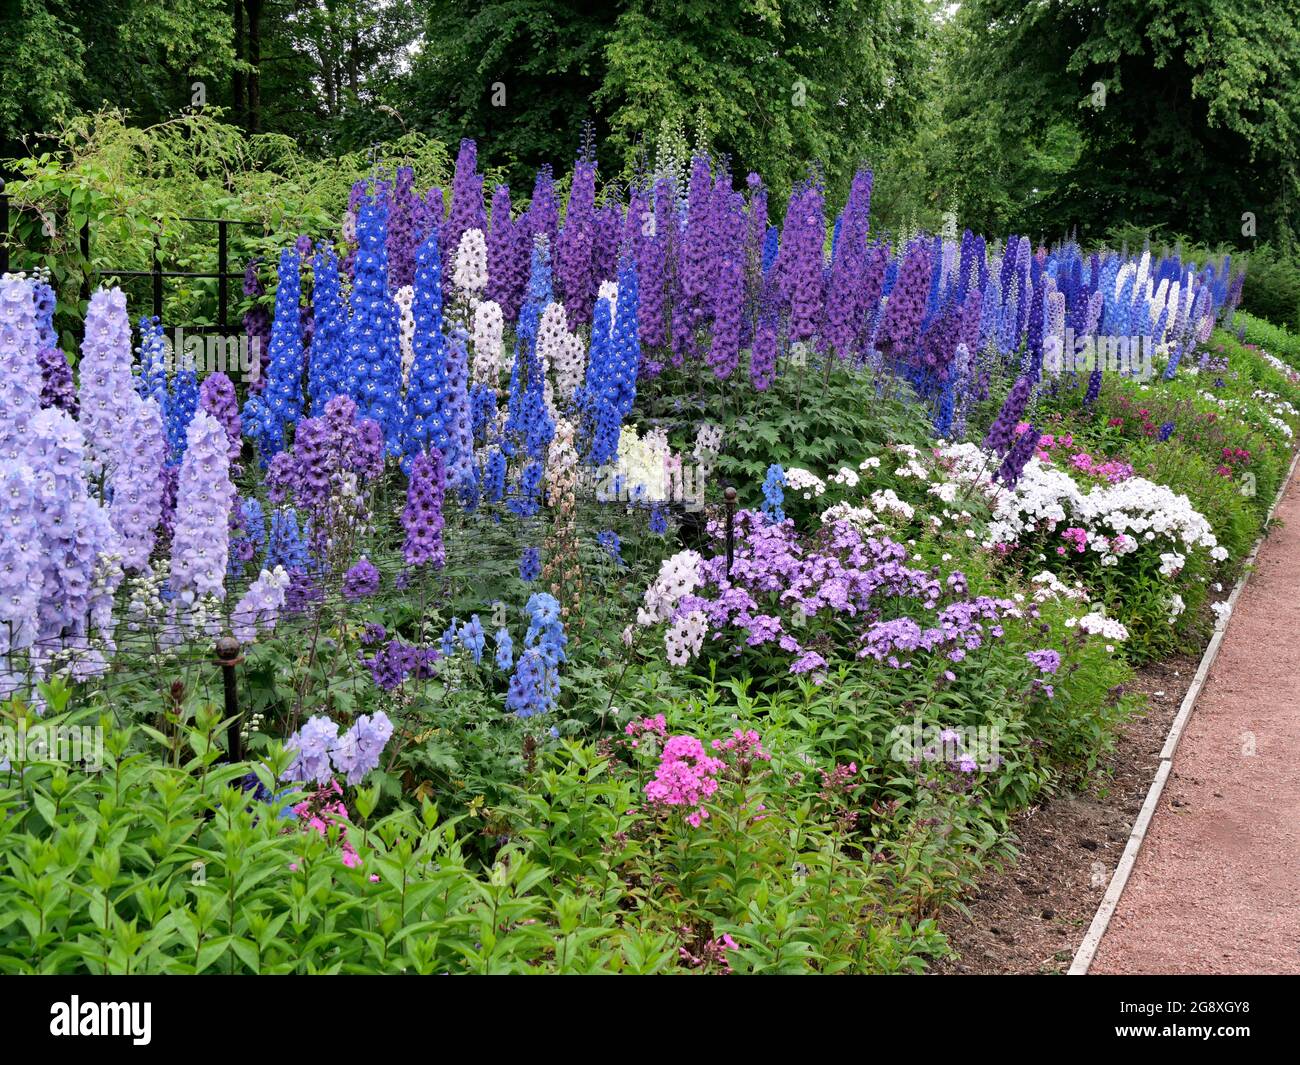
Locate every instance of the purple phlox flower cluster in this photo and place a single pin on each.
(361, 580)
(201, 535)
(422, 518)
(259, 607)
(105, 371)
(1045, 661)
(136, 508)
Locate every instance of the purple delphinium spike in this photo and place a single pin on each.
(201, 535)
(422, 519)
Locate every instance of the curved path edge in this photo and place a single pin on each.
(1110, 901)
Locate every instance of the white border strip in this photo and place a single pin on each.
(1110, 901)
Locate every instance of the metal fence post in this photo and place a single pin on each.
(228, 657)
(223, 282)
(157, 278)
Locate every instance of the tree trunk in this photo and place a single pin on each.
(254, 9)
(239, 89)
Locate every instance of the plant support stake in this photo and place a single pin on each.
(729, 494)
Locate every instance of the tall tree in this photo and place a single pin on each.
(1153, 112)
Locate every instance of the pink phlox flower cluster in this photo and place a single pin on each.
(655, 726)
(317, 813)
(686, 776)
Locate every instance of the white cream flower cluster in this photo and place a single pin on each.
(649, 471)
(1050, 586)
(804, 482)
(561, 351)
(685, 636)
(404, 297)
(886, 499)
(1098, 624)
(1114, 516)
(489, 334)
(470, 275)
(679, 575)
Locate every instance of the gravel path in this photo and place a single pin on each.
(1216, 887)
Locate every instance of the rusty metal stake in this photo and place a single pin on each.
(729, 494)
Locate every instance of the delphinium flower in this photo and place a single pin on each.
(1166, 431)
(259, 607)
(608, 540)
(686, 776)
(532, 685)
(556, 351)
(729, 287)
(762, 357)
(404, 232)
(374, 356)
(607, 236)
(427, 398)
(1017, 457)
(470, 635)
(403, 299)
(456, 413)
(900, 322)
(56, 381)
(398, 661)
(422, 518)
(284, 392)
(21, 562)
(845, 307)
(471, 273)
(530, 565)
(489, 331)
(806, 268)
(467, 210)
(201, 536)
(357, 751)
(257, 327)
(361, 580)
(311, 745)
(179, 412)
(247, 535)
(136, 507)
(653, 258)
(658, 520)
(217, 397)
(20, 376)
(609, 390)
(151, 371)
(80, 550)
(574, 275)
(773, 496)
(105, 372)
(327, 360)
(1001, 432)
(508, 246)
(505, 650)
